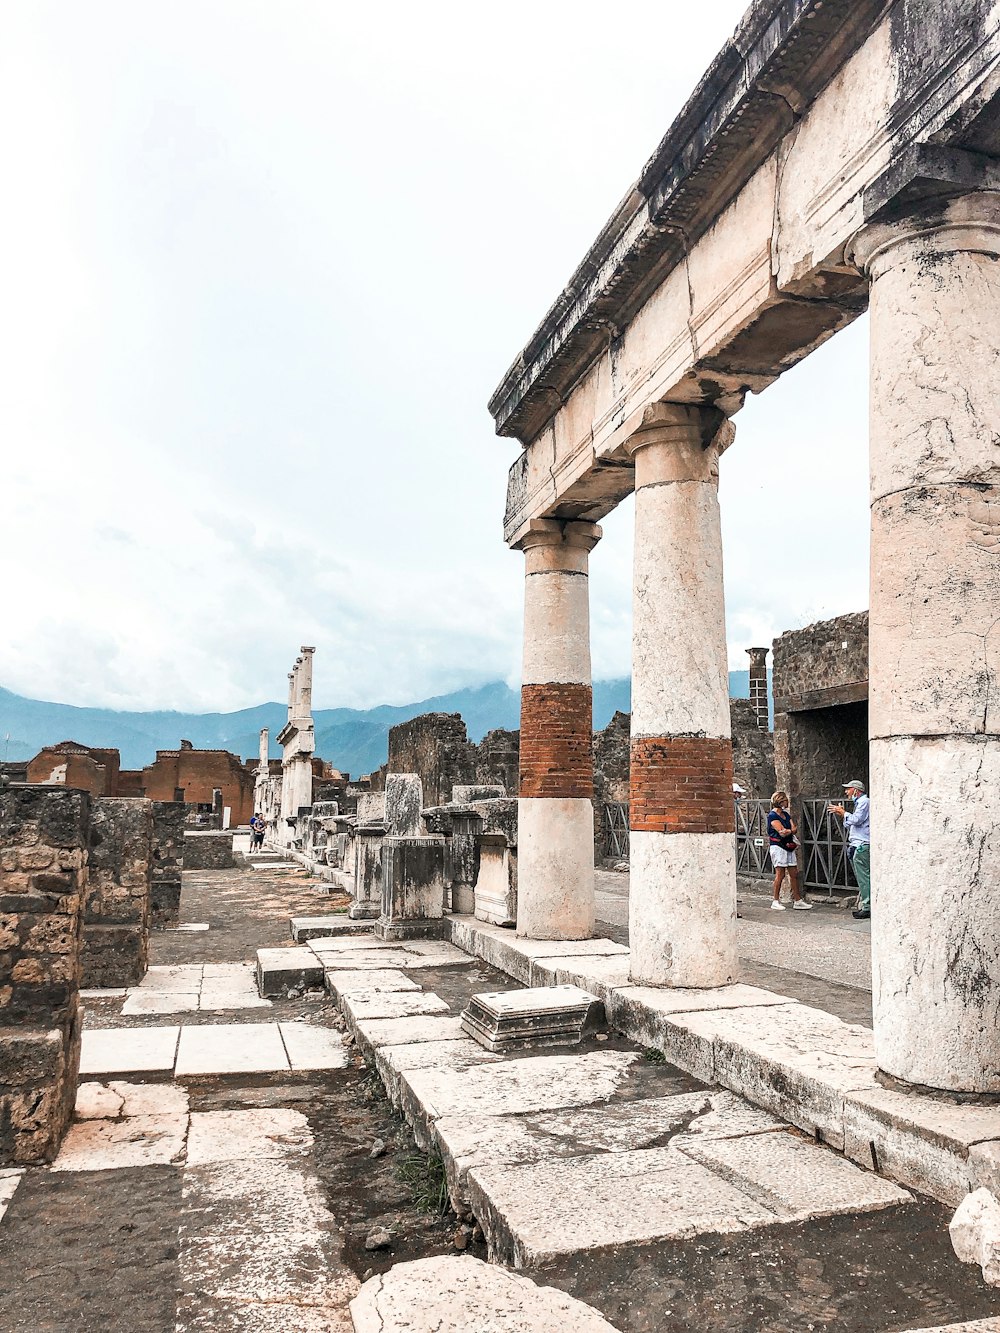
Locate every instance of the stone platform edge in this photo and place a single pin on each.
(800, 1063)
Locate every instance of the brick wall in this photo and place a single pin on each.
(43, 877)
(681, 784)
(199, 773)
(116, 909)
(556, 741)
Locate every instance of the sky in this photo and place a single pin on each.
(262, 266)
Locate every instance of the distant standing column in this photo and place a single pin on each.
(934, 709)
(682, 898)
(555, 889)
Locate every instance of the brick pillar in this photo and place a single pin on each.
(682, 901)
(43, 878)
(758, 685)
(555, 804)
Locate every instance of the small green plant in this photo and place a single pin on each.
(654, 1057)
(424, 1177)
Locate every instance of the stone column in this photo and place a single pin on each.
(682, 901)
(758, 686)
(555, 806)
(934, 707)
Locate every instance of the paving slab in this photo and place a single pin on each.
(261, 1133)
(361, 1005)
(282, 970)
(468, 1141)
(599, 975)
(927, 1142)
(164, 980)
(230, 1048)
(311, 1047)
(532, 1215)
(373, 1033)
(794, 1060)
(458, 1053)
(104, 993)
(155, 1002)
(341, 983)
(503, 950)
(215, 998)
(326, 927)
(639, 1011)
(538, 1083)
(362, 940)
(128, 1050)
(9, 1181)
(367, 960)
(975, 1326)
(111, 1145)
(795, 1178)
(457, 1293)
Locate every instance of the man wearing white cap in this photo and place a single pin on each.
(857, 823)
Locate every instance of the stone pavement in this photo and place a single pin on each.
(232, 1156)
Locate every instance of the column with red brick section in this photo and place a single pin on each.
(555, 876)
(682, 901)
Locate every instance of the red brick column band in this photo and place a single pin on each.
(557, 757)
(681, 784)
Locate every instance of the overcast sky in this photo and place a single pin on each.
(262, 266)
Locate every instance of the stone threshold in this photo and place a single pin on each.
(802, 1064)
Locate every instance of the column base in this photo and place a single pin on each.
(555, 868)
(682, 909)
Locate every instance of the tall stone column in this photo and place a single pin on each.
(682, 898)
(934, 707)
(758, 686)
(555, 891)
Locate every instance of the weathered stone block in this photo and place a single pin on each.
(167, 862)
(208, 851)
(114, 955)
(404, 799)
(413, 885)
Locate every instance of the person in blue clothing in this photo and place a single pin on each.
(781, 831)
(857, 822)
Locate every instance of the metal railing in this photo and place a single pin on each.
(616, 830)
(822, 857)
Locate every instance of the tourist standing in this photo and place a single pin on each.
(781, 831)
(857, 824)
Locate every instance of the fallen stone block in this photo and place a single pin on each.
(282, 970)
(975, 1233)
(456, 1293)
(542, 1016)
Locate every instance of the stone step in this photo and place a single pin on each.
(538, 1213)
(340, 983)
(456, 1293)
(543, 1016)
(282, 970)
(305, 928)
(361, 1008)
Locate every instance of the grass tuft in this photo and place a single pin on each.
(425, 1179)
(654, 1057)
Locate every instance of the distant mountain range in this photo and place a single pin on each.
(354, 740)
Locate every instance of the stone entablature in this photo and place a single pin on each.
(43, 879)
(822, 665)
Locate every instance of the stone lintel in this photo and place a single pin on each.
(829, 697)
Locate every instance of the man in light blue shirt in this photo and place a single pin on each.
(857, 824)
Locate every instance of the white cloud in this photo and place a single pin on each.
(262, 267)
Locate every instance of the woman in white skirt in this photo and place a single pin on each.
(781, 831)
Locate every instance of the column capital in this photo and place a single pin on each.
(933, 227)
(758, 656)
(679, 442)
(571, 534)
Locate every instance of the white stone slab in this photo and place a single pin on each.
(9, 1181)
(97, 1101)
(597, 975)
(128, 1050)
(230, 1048)
(794, 1178)
(215, 998)
(190, 925)
(337, 944)
(975, 1326)
(511, 1087)
(150, 1098)
(645, 1013)
(362, 1005)
(922, 1141)
(469, 1141)
(310, 1047)
(514, 956)
(236, 972)
(538, 1213)
(164, 980)
(391, 1061)
(155, 1002)
(222, 1136)
(104, 993)
(458, 1294)
(376, 1032)
(367, 959)
(109, 1145)
(368, 979)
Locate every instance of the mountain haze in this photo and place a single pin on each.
(355, 740)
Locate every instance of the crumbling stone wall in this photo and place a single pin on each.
(611, 774)
(498, 760)
(167, 862)
(44, 834)
(116, 907)
(753, 751)
(437, 748)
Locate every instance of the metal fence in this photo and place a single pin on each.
(616, 839)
